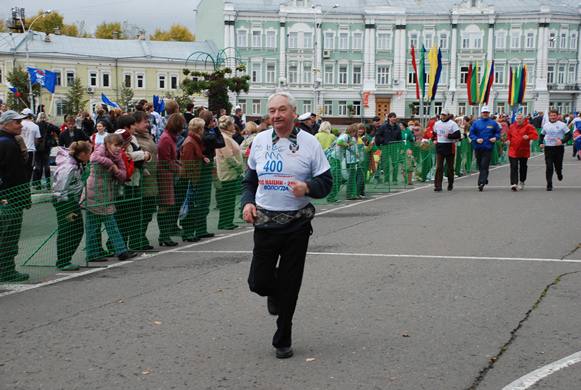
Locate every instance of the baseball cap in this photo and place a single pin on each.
(485, 109)
(27, 112)
(305, 116)
(10, 115)
(445, 112)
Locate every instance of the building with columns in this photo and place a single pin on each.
(351, 58)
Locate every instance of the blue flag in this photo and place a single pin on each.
(108, 102)
(45, 78)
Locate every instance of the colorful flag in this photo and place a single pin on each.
(107, 101)
(422, 72)
(523, 85)
(486, 84)
(415, 67)
(12, 89)
(435, 59)
(517, 85)
(45, 78)
(510, 83)
(474, 91)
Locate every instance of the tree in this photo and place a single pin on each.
(109, 31)
(126, 97)
(19, 79)
(2, 26)
(177, 32)
(75, 99)
(217, 84)
(51, 23)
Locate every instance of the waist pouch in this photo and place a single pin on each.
(268, 219)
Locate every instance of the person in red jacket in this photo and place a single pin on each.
(519, 137)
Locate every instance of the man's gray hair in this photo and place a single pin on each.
(290, 98)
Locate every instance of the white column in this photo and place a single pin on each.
(541, 103)
(452, 103)
(490, 57)
(577, 101)
(369, 67)
(399, 65)
(282, 49)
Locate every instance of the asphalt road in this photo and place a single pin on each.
(454, 290)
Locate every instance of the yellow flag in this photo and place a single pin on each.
(433, 60)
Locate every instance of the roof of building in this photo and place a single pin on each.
(414, 6)
(65, 46)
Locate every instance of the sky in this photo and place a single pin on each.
(147, 14)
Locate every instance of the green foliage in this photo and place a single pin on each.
(217, 84)
(51, 22)
(19, 79)
(109, 31)
(177, 32)
(75, 98)
(126, 97)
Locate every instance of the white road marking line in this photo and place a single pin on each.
(17, 288)
(507, 187)
(530, 379)
(407, 256)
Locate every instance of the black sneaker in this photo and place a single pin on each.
(560, 176)
(450, 187)
(480, 187)
(284, 352)
(437, 190)
(271, 306)
(549, 188)
(126, 256)
(14, 276)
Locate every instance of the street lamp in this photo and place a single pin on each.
(316, 83)
(43, 13)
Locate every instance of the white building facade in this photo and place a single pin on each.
(353, 59)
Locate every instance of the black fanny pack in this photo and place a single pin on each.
(268, 219)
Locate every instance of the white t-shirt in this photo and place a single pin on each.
(100, 138)
(553, 131)
(279, 166)
(443, 129)
(30, 133)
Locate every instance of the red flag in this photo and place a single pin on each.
(468, 85)
(414, 65)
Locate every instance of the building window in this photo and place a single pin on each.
(515, 39)
(328, 107)
(92, 79)
(242, 38)
(563, 40)
(383, 41)
(256, 39)
(383, 74)
(530, 40)
(500, 40)
(572, 74)
(573, 44)
(443, 41)
(293, 72)
(465, 42)
(343, 41)
(357, 108)
(293, 40)
(357, 74)
(413, 40)
(242, 104)
(161, 81)
(140, 80)
(477, 44)
(561, 75)
(256, 106)
(463, 75)
(329, 75)
(270, 72)
(342, 108)
(59, 79)
(307, 106)
(307, 73)
(61, 107)
(105, 79)
(329, 41)
(551, 74)
(173, 81)
(256, 73)
(70, 77)
(357, 41)
(461, 109)
(307, 40)
(411, 76)
(343, 74)
(428, 39)
(500, 108)
(270, 39)
(552, 40)
(499, 75)
(127, 80)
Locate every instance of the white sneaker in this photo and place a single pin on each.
(521, 186)
(513, 187)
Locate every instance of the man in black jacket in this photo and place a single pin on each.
(71, 133)
(387, 134)
(14, 195)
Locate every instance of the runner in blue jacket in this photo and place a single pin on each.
(484, 133)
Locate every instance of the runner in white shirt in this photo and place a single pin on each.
(553, 137)
(31, 135)
(286, 168)
(446, 132)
